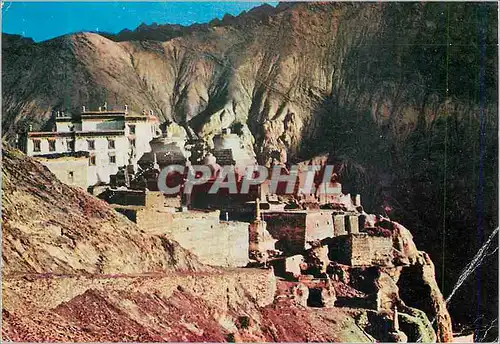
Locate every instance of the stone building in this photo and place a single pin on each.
(215, 242)
(363, 249)
(113, 139)
(70, 168)
(294, 229)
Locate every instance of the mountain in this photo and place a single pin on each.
(10, 42)
(273, 69)
(404, 95)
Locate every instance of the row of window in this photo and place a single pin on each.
(37, 145)
(111, 144)
(92, 159)
(71, 145)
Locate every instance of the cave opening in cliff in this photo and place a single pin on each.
(315, 299)
(364, 279)
(414, 291)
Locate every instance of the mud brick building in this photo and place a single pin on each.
(70, 168)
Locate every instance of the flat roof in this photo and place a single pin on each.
(104, 112)
(102, 116)
(50, 134)
(47, 134)
(64, 119)
(78, 154)
(108, 115)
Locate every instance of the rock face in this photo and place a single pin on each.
(419, 287)
(270, 75)
(412, 284)
(49, 227)
(416, 282)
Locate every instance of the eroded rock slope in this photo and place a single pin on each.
(50, 227)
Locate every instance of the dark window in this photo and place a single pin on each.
(132, 129)
(112, 159)
(92, 160)
(36, 145)
(91, 144)
(52, 145)
(111, 144)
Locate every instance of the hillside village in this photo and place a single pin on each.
(93, 251)
(324, 249)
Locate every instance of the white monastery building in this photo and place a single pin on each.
(107, 139)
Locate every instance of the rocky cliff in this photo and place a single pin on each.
(50, 227)
(271, 69)
(405, 95)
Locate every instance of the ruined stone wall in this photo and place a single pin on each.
(154, 199)
(154, 220)
(194, 220)
(293, 229)
(223, 289)
(367, 250)
(174, 202)
(214, 242)
(319, 225)
(237, 247)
